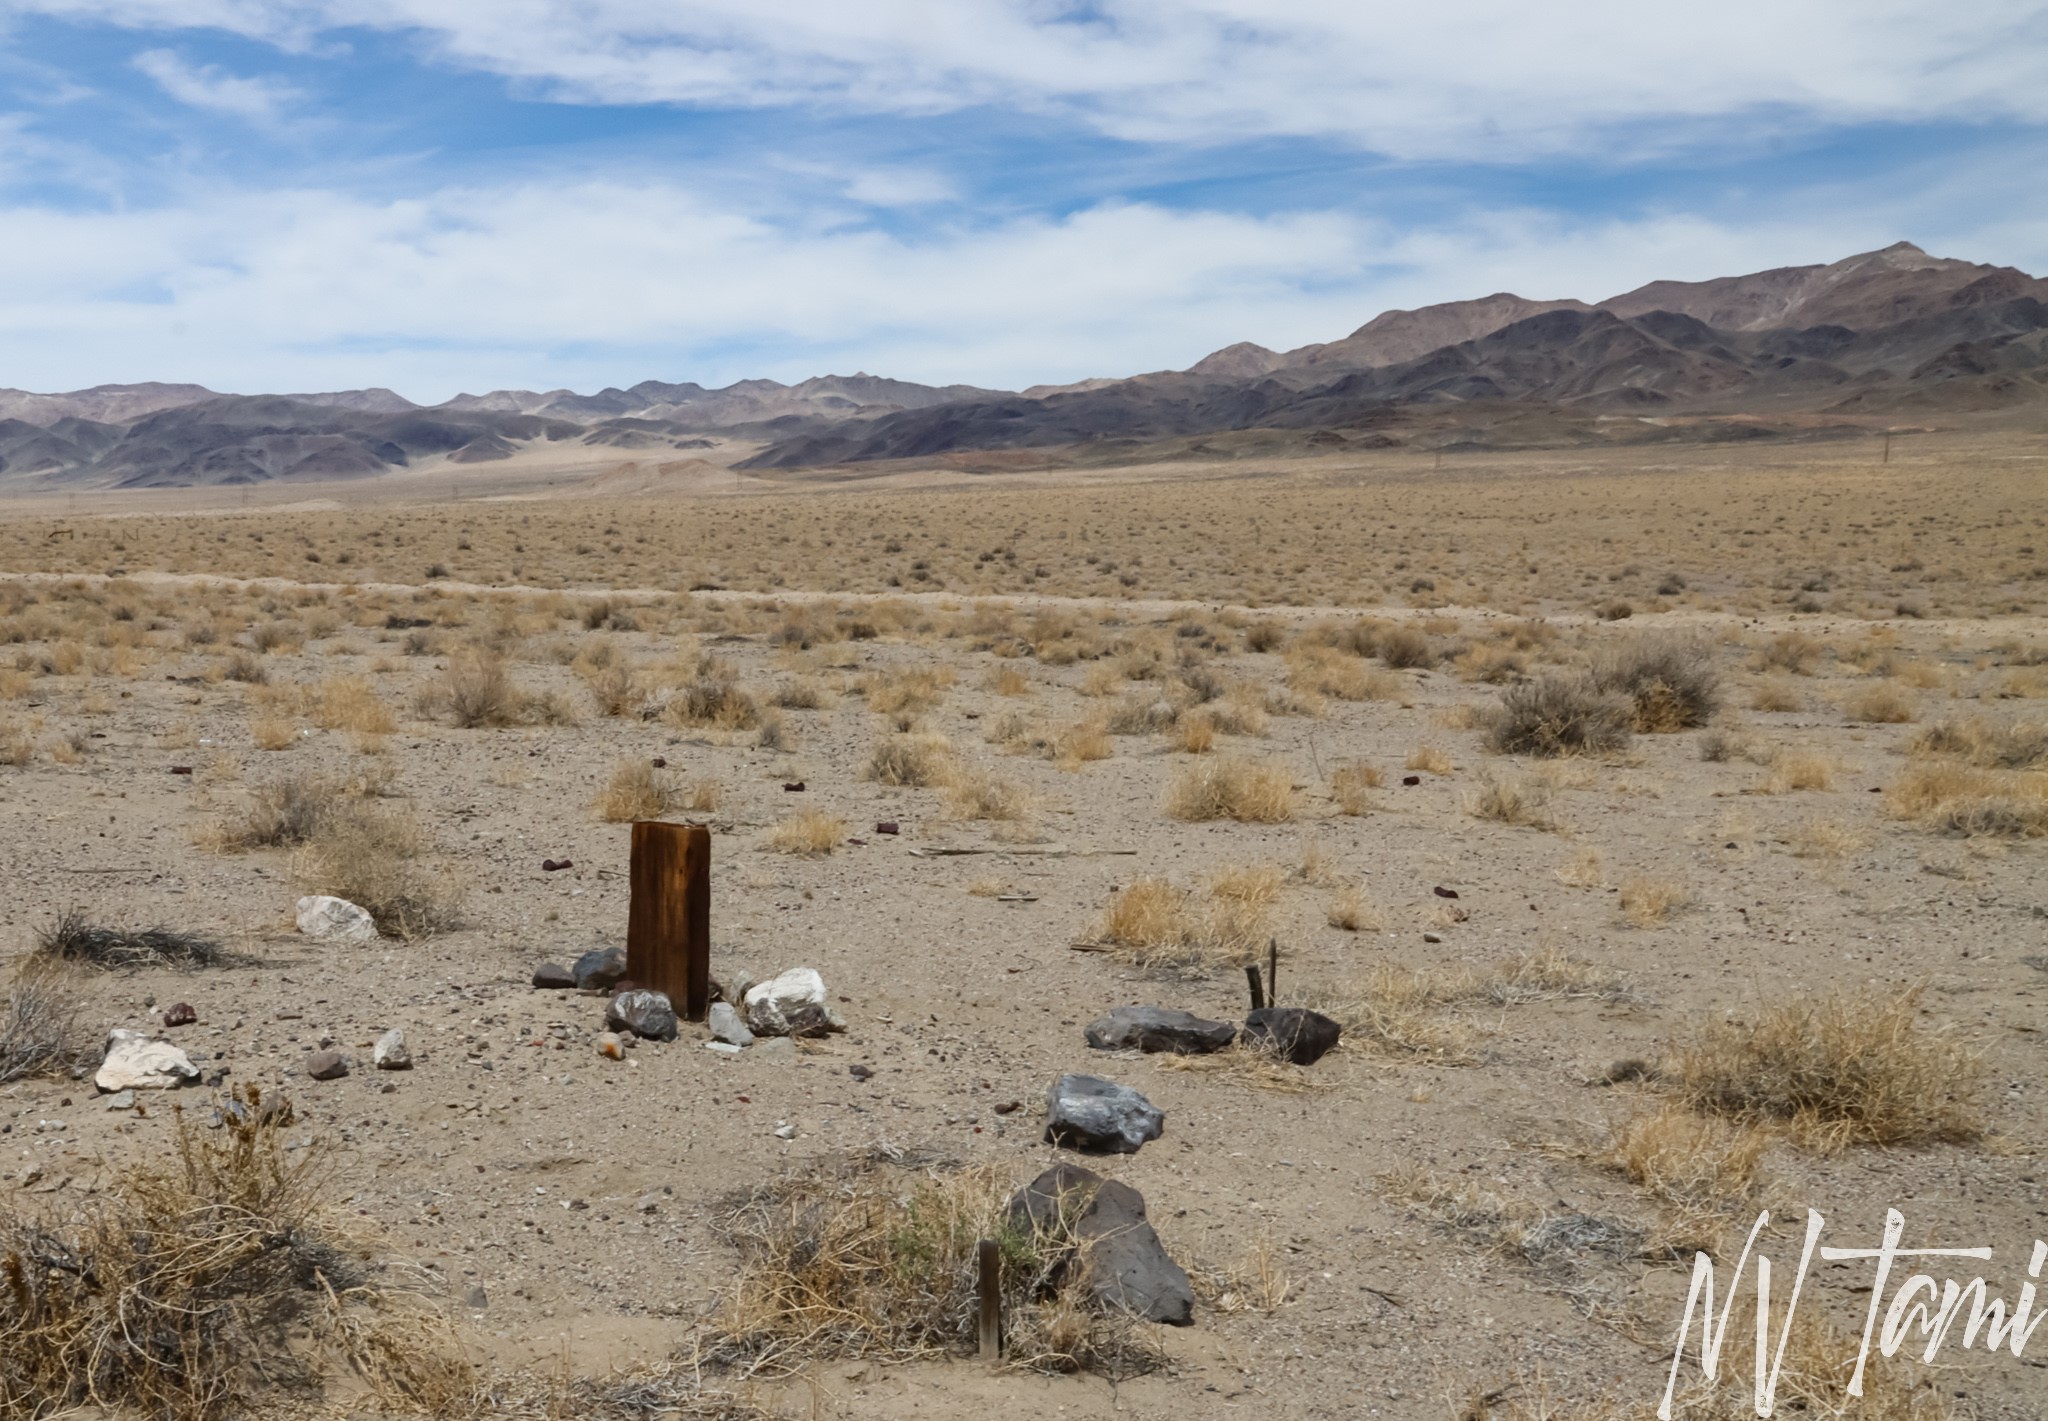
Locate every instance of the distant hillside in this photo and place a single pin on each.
(1891, 330)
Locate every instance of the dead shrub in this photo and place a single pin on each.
(1351, 786)
(1559, 714)
(1647, 902)
(713, 697)
(911, 761)
(1084, 740)
(1957, 799)
(1520, 802)
(1194, 733)
(1838, 1070)
(1142, 715)
(1791, 652)
(636, 791)
(349, 703)
(811, 833)
(2013, 745)
(870, 1258)
(38, 1025)
(1793, 772)
(1152, 923)
(980, 794)
(1431, 760)
(381, 860)
(1688, 1161)
(195, 1288)
(280, 814)
(1670, 681)
(1226, 788)
(800, 694)
(909, 693)
(1353, 911)
(1880, 703)
(477, 691)
(1405, 648)
(75, 938)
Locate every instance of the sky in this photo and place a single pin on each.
(440, 196)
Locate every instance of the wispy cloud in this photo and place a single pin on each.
(208, 87)
(1491, 79)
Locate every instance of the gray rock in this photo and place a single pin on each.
(645, 1013)
(327, 1065)
(1122, 1261)
(726, 1025)
(135, 1061)
(553, 977)
(793, 1004)
(1090, 1113)
(1158, 1029)
(1294, 1033)
(391, 1053)
(335, 920)
(122, 1100)
(600, 969)
(476, 1299)
(777, 1050)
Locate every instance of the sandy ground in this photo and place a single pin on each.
(577, 1192)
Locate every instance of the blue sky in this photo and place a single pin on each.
(444, 195)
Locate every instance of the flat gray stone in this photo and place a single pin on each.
(1090, 1113)
(1158, 1029)
(727, 1026)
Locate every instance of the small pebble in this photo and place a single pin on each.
(610, 1046)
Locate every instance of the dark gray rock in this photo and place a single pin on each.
(1293, 1033)
(600, 969)
(1090, 1113)
(646, 1014)
(1122, 1261)
(327, 1065)
(553, 977)
(1159, 1029)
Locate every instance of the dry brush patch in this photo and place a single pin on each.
(1153, 923)
(1846, 1069)
(1221, 787)
(75, 938)
(870, 1258)
(808, 833)
(38, 1022)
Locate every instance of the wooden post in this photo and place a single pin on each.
(668, 925)
(989, 1255)
(1273, 970)
(1251, 975)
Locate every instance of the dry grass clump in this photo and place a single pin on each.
(973, 793)
(1227, 788)
(198, 1287)
(1353, 911)
(1880, 703)
(1838, 1070)
(1792, 772)
(712, 696)
(1670, 682)
(1258, 1282)
(1006, 680)
(279, 814)
(1647, 902)
(1430, 760)
(801, 694)
(1989, 745)
(38, 1022)
(918, 761)
(478, 692)
(1144, 714)
(1152, 923)
(1775, 696)
(636, 791)
(349, 703)
(1828, 839)
(909, 693)
(1519, 802)
(1351, 785)
(1686, 1160)
(1956, 799)
(1082, 741)
(381, 860)
(1320, 671)
(809, 832)
(1559, 714)
(869, 1258)
(75, 938)
(1791, 652)
(1582, 870)
(1194, 733)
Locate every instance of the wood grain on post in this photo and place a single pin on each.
(668, 925)
(989, 1255)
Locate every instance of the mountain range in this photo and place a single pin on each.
(1872, 335)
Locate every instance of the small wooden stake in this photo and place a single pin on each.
(1251, 975)
(668, 924)
(1273, 970)
(989, 1255)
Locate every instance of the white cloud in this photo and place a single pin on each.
(207, 86)
(608, 282)
(1498, 79)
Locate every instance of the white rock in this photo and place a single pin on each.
(726, 1025)
(134, 1061)
(723, 1048)
(335, 920)
(790, 1005)
(391, 1053)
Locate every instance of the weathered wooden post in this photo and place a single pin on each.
(989, 1257)
(668, 925)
